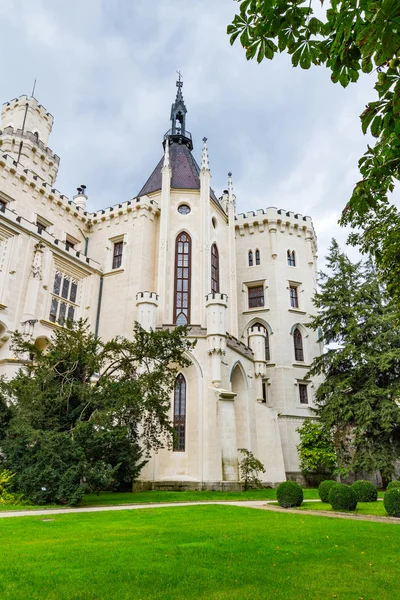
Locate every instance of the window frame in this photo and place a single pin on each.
(3, 205)
(179, 416)
(214, 269)
(258, 259)
(291, 258)
(249, 299)
(303, 387)
(250, 258)
(298, 348)
(117, 257)
(59, 299)
(188, 279)
(294, 295)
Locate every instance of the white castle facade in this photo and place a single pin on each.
(173, 254)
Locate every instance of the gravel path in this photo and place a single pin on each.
(258, 504)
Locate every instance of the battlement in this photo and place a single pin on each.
(146, 297)
(144, 202)
(51, 240)
(272, 217)
(216, 297)
(33, 104)
(28, 135)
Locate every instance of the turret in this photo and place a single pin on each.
(216, 306)
(147, 304)
(257, 335)
(25, 130)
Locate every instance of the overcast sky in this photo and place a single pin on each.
(106, 71)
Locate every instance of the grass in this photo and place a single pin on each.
(199, 552)
(363, 508)
(110, 498)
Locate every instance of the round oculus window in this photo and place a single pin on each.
(184, 209)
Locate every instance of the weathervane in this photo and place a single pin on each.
(179, 83)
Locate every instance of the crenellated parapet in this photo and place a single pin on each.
(143, 206)
(274, 220)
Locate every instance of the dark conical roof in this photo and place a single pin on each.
(185, 172)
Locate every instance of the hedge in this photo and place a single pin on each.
(365, 491)
(289, 494)
(391, 502)
(342, 497)
(393, 484)
(323, 489)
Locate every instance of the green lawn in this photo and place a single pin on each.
(200, 552)
(363, 508)
(109, 498)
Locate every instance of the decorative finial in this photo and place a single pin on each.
(166, 154)
(231, 196)
(204, 155)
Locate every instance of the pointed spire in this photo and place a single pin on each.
(204, 155)
(179, 85)
(166, 154)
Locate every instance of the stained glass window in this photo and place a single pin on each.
(182, 279)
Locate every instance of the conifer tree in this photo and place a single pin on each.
(359, 399)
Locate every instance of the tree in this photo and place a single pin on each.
(84, 413)
(359, 398)
(316, 451)
(249, 467)
(354, 36)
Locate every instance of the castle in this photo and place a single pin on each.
(174, 254)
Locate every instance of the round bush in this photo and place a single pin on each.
(323, 489)
(393, 484)
(365, 491)
(342, 497)
(391, 502)
(289, 494)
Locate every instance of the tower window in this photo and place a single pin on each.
(117, 255)
(267, 350)
(265, 391)
(257, 257)
(182, 279)
(303, 395)
(180, 413)
(294, 297)
(3, 206)
(291, 258)
(64, 298)
(298, 346)
(256, 296)
(214, 268)
(184, 209)
(250, 258)
(42, 224)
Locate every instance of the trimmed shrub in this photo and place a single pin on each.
(365, 491)
(391, 502)
(342, 497)
(323, 489)
(289, 494)
(393, 484)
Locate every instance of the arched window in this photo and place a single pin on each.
(257, 257)
(298, 345)
(179, 413)
(182, 279)
(291, 258)
(250, 258)
(214, 268)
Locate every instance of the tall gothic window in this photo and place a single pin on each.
(214, 268)
(250, 258)
(182, 279)
(63, 299)
(180, 413)
(267, 350)
(298, 345)
(257, 257)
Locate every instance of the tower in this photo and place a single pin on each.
(24, 135)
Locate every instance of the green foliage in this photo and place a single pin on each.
(77, 409)
(342, 497)
(249, 467)
(392, 485)
(391, 502)
(289, 494)
(357, 399)
(324, 488)
(351, 38)
(6, 496)
(316, 451)
(365, 491)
